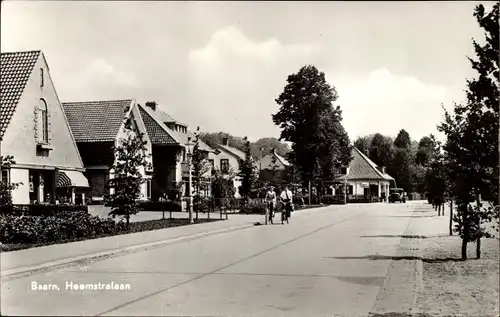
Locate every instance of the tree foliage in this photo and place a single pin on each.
(381, 150)
(308, 119)
(200, 165)
(6, 188)
(130, 161)
(471, 146)
(363, 144)
(247, 172)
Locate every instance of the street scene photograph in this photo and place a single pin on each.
(250, 158)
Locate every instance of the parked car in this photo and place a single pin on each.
(397, 194)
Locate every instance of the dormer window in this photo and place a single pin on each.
(41, 77)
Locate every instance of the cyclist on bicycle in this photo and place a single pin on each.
(287, 198)
(271, 201)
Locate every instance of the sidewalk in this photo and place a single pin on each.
(404, 276)
(24, 259)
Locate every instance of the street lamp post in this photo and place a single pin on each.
(190, 182)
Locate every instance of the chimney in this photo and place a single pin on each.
(225, 141)
(382, 169)
(151, 104)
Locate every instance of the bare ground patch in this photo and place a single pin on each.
(460, 288)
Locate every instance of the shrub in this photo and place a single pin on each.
(332, 200)
(44, 210)
(29, 229)
(202, 204)
(254, 207)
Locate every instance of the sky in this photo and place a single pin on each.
(221, 65)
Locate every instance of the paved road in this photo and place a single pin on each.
(319, 264)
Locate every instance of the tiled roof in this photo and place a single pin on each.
(158, 133)
(362, 168)
(234, 151)
(96, 121)
(267, 161)
(15, 70)
(163, 116)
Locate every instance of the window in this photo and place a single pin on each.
(44, 121)
(41, 77)
(148, 188)
(212, 163)
(350, 189)
(5, 177)
(224, 165)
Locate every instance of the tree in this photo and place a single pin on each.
(403, 140)
(471, 146)
(247, 172)
(223, 184)
(381, 150)
(401, 166)
(130, 160)
(6, 188)
(305, 117)
(363, 144)
(200, 164)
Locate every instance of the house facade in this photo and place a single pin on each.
(365, 178)
(35, 131)
(273, 167)
(172, 143)
(98, 127)
(227, 158)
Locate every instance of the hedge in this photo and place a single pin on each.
(30, 229)
(43, 210)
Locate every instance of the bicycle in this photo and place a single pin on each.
(270, 210)
(285, 213)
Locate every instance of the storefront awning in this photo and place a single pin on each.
(72, 179)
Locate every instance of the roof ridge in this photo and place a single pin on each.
(89, 101)
(370, 162)
(161, 124)
(19, 52)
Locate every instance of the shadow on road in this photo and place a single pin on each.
(397, 258)
(411, 216)
(396, 236)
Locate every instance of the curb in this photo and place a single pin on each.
(144, 246)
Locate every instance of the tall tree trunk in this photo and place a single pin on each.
(465, 237)
(478, 223)
(309, 192)
(451, 217)
(464, 249)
